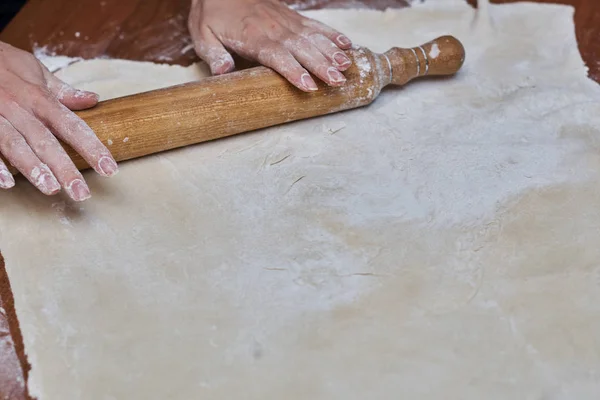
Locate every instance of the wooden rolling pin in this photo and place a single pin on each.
(243, 101)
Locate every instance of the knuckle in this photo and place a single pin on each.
(301, 42)
(318, 37)
(215, 52)
(10, 102)
(269, 52)
(301, 46)
(310, 24)
(201, 46)
(44, 146)
(250, 29)
(305, 21)
(13, 143)
(39, 95)
(276, 30)
(6, 97)
(312, 34)
(77, 131)
(264, 56)
(288, 37)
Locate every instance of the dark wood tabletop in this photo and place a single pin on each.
(155, 30)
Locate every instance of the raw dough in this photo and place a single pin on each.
(443, 244)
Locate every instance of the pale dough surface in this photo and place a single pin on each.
(443, 243)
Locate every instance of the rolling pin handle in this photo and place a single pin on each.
(442, 56)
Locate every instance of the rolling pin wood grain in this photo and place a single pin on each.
(251, 99)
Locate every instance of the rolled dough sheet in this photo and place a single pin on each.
(442, 243)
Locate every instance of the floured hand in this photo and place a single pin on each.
(269, 32)
(35, 111)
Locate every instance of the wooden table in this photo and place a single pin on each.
(155, 30)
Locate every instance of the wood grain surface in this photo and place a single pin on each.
(155, 30)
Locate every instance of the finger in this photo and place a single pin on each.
(331, 51)
(16, 150)
(341, 40)
(49, 150)
(210, 49)
(313, 60)
(282, 61)
(72, 130)
(6, 179)
(72, 98)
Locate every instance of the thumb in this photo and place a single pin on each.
(72, 98)
(210, 49)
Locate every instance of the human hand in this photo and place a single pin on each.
(35, 111)
(272, 34)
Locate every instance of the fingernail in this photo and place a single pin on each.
(108, 167)
(217, 64)
(335, 75)
(343, 40)
(6, 179)
(308, 82)
(341, 59)
(80, 94)
(44, 180)
(48, 184)
(78, 190)
(221, 66)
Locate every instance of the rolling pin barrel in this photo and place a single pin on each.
(216, 107)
